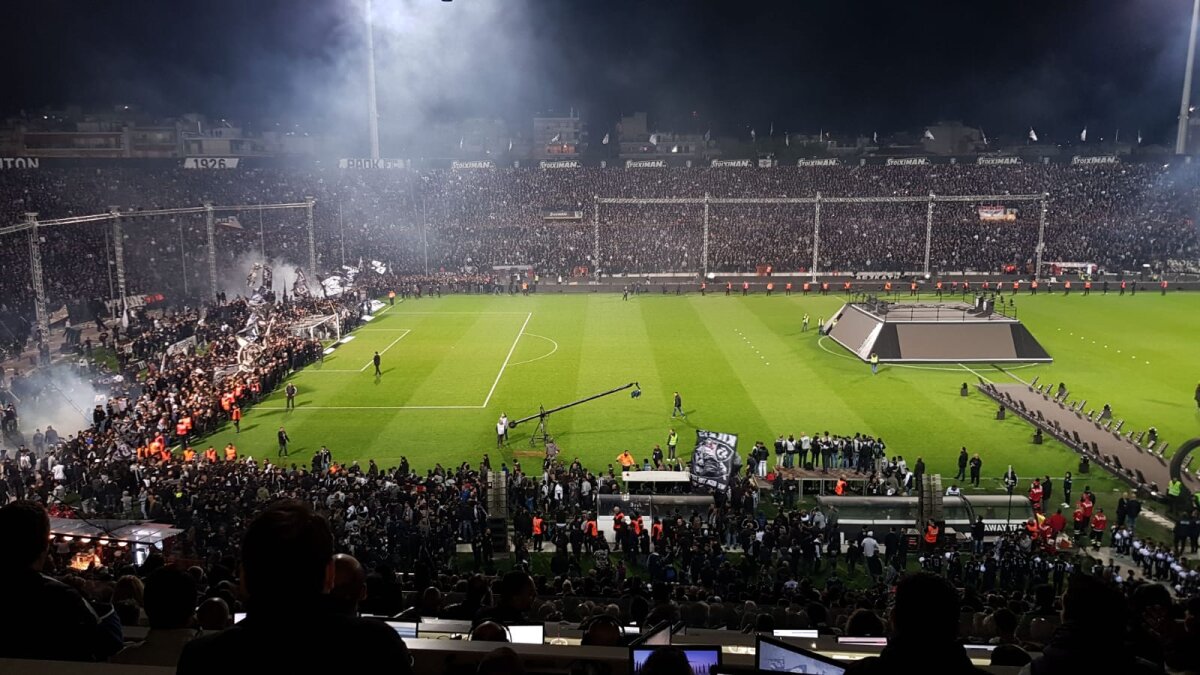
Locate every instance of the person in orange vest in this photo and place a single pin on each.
(846, 287)
(525, 288)
(966, 287)
(912, 288)
(1122, 287)
(1016, 287)
(770, 287)
(1033, 287)
(787, 289)
(236, 416)
(1087, 287)
(703, 288)
(239, 391)
(1035, 495)
(656, 532)
(824, 288)
(189, 455)
(210, 455)
(591, 533)
(839, 488)
(987, 285)
(805, 288)
(887, 288)
(931, 535)
(226, 401)
(1162, 285)
(1099, 524)
(626, 460)
(745, 288)
(392, 297)
(728, 288)
(165, 454)
(1032, 529)
(142, 452)
(181, 431)
(620, 532)
(537, 531)
(938, 289)
(230, 453)
(1067, 287)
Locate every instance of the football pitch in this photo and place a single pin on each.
(452, 365)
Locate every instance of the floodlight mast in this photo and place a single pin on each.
(542, 413)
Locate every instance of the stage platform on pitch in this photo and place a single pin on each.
(1117, 451)
(951, 332)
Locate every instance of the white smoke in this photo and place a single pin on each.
(231, 278)
(66, 403)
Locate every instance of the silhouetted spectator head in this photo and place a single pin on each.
(349, 581)
(601, 630)
(287, 557)
(489, 631)
(25, 530)
(213, 614)
(170, 598)
(865, 623)
(926, 609)
(517, 591)
(1009, 655)
(1090, 602)
(667, 661)
(501, 661)
(1006, 623)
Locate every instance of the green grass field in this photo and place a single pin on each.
(743, 366)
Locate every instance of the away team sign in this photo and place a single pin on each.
(210, 163)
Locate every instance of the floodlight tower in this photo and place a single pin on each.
(372, 104)
(1186, 99)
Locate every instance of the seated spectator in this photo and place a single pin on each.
(517, 593)
(667, 661)
(1009, 655)
(924, 632)
(488, 631)
(429, 605)
(601, 630)
(213, 614)
(287, 569)
(43, 618)
(170, 595)
(502, 661)
(1091, 610)
(864, 623)
(349, 584)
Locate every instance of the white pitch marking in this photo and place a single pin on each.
(977, 374)
(504, 365)
(374, 407)
(521, 363)
(372, 361)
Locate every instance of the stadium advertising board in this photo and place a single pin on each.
(1098, 159)
(645, 164)
(210, 162)
(20, 163)
(732, 163)
(992, 214)
(477, 164)
(825, 161)
(907, 161)
(366, 163)
(562, 214)
(559, 164)
(713, 460)
(997, 161)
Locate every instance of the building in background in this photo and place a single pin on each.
(558, 137)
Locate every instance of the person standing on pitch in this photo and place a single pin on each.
(804, 324)
(290, 390)
(962, 465)
(501, 431)
(283, 442)
(678, 409)
(376, 360)
(874, 363)
(236, 415)
(672, 443)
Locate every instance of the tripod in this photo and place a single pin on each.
(542, 434)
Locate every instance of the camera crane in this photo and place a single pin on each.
(543, 435)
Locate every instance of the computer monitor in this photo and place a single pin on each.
(777, 656)
(808, 633)
(405, 629)
(658, 635)
(703, 659)
(238, 617)
(527, 634)
(869, 641)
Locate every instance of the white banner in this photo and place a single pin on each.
(559, 164)
(828, 161)
(1100, 159)
(645, 164)
(480, 164)
(210, 162)
(365, 163)
(183, 346)
(997, 161)
(20, 163)
(732, 163)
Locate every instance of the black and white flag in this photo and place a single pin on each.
(713, 460)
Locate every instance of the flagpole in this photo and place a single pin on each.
(1185, 98)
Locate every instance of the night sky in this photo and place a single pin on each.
(847, 66)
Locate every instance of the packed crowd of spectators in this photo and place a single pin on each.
(1118, 216)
